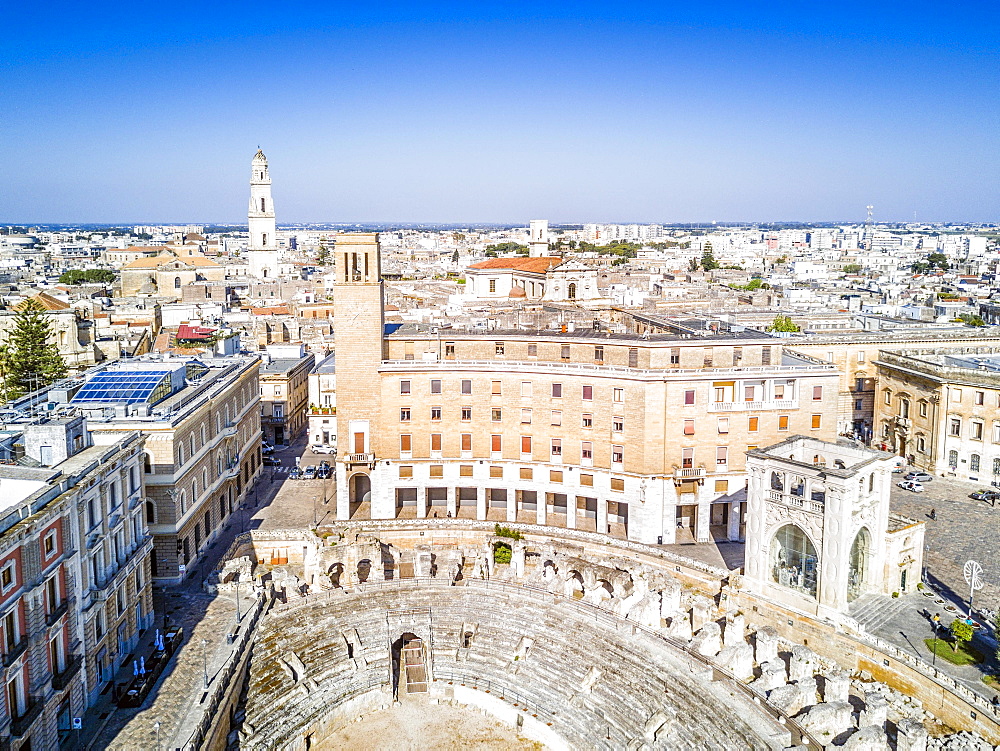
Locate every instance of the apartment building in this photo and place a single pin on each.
(939, 409)
(201, 421)
(323, 402)
(75, 586)
(643, 436)
(284, 391)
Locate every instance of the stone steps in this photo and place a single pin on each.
(875, 610)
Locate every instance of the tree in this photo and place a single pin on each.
(507, 247)
(323, 257)
(87, 276)
(971, 319)
(782, 323)
(852, 268)
(454, 257)
(30, 362)
(708, 261)
(939, 260)
(961, 632)
(693, 264)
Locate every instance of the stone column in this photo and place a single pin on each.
(481, 503)
(765, 645)
(421, 503)
(911, 735)
(602, 516)
(875, 712)
(800, 665)
(570, 511)
(735, 631)
(701, 612)
(452, 509)
(704, 534)
(734, 521)
(836, 685)
(541, 507)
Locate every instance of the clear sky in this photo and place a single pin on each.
(487, 111)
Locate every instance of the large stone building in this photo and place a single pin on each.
(938, 408)
(263, 251)
(75, 589)
(323, 402)
(284, 391)
(72, 333)
(166, 275)
(643, 436)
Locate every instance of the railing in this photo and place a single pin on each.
(450, 365)
(796, 501)
(359, 458)
(58, 613)
(19, 726)
(496, 689)
(690, 473)
(18, 650)
(752, 406)
(62, 679)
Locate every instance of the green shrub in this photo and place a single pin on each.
(512, 534)
(501, 553)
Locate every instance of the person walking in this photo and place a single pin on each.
(933, 514)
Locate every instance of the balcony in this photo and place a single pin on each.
(229, 431)
(797, 501)
(690, 473)
(18, 650)
(21, 725)
(58, 613)
(752, 406)
(62, 679)
(351, 459)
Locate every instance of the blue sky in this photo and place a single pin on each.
(479, 112)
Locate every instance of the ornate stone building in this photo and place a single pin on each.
(263, 251)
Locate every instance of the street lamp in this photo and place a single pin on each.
(936, 620)
(204, 656)
(156, 727)
(237, 598)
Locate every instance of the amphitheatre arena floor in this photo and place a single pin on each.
(415, 725)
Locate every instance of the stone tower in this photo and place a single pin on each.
(263, 251)
(538, 242)
(358, 324)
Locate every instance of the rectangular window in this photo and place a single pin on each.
(921, 444)
(752, 424)
(721, 455)
(496, 414)
(956, 395)
(598, 353)
(980, 397)
(466, 387)
(888, 396)
(436, 441)
(859, 404)
(779, 391)
(498, 348)
(861, 355)
(557, 447)
(466, 441)
(817, 421)
(564, 352)
(493, 285)
(435, 386)
(7, 577)
(955, 426)
(996, 432)
(49, 543)
(618, 484)
(495, 388)
(782, 422)
(435, 413)
(404, 414)
(587, 480)
(618, 395)
(466, 414)
(689, 397)
(437, 470)
(723, 424)
(923, 407)
(526, 415)
(532, 350)
(496, 472)
(617, 424)
(526, 388)
(817, 393)
(556, 417)
(496, 443)
(749, 393)
(588, 393)
(404, 444)
(633, 357)
(526, 444)
(526, 473)
(404, 387)
(465, 470)
(449, 350)
(675, 356)
(555, 475)
(617, 454)
(765, 359)
(709, 357)
(737, 355)
(587, 450)
(587, 420)
(556, 390)
(689, 427)
(406, 470)
(977, 431)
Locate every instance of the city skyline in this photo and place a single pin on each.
(447, 114)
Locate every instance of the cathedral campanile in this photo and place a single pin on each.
(263, 251)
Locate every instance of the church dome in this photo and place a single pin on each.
(259, 156)
(517, 292)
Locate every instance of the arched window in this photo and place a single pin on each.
(147, 464)
(857, 574)
(263, 239)
(150, 512)
(177, 282)
(794, 562)
(262, 205)
(777, 481)
(904, 407)
(572, 291)
(974, 463)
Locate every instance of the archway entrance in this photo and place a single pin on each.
(857, 574)
(794, 562)
(360, 495)
(409, 672)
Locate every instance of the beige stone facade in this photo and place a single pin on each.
(284, 392)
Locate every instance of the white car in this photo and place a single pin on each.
(912, 485)
(321, 448)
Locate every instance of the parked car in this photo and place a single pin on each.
(899, 469)
(990, 496)
(321, 448)
(271, 461)
(919, 477)
(322, 472)
(309, 473)
(295, 474)
(267, 448)
(912, 485)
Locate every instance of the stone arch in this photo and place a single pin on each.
(574, 584)
(777, 481)
(794, 560)
(859, 564)
(336, 571)
(360, 489)
(364, 570)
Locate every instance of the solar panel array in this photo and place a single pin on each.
(123, 386)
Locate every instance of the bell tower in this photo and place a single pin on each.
(263, 250)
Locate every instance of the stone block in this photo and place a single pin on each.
(867, 739)
(738, 660)
(772, 675)
(708, 641)
(801, 664)
(787, 698)
(765, 645)
(911, 735)
(680, 627)
(827, 720)
(836, 685)
(875, 712)
(670, 598)
(735, 632)
(701, 612)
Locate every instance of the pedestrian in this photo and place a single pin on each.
(933, 515)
